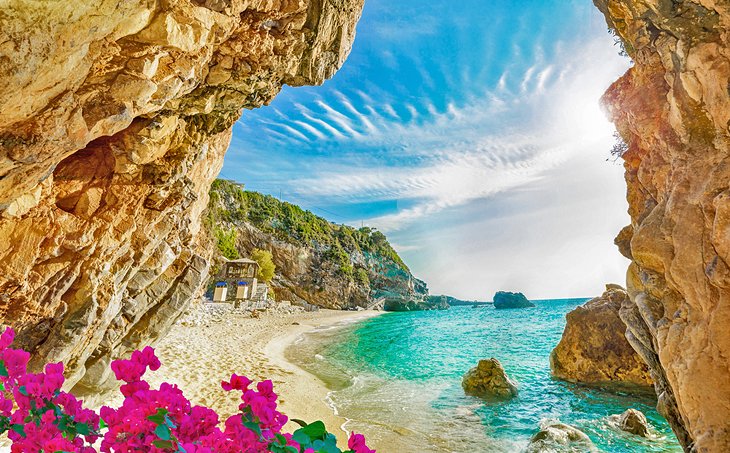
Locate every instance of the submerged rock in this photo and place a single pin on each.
(489, 380)
(632, 421)
(506, 299)
(594, 348)
(556, 437)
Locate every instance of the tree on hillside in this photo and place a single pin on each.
(226, 241)
(266, 264)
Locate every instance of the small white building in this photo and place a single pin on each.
(240, 277)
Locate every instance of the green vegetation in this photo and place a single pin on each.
(226, 241)
(361, 276)
(290, 223)
(266, 264)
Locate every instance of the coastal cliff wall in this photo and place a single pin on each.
(672, 108)
(114, 119)
(319, 262)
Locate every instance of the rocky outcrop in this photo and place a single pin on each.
(506, 299)
(114, 118)
(632, 421)
(594, 349)
(318, 262)
(555, 436)
(414, 304)
(672, 109)
(489, 380)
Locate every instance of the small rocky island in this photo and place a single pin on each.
(506, 299)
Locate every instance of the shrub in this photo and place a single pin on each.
(361, 276)
(619, 147)
(267, 268)
(39, 417)
(226, 241)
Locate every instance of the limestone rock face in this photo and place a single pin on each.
(594, 348)
(506, 299)
(114, 118)
(672, 109)
(559, 437)
(489, 380)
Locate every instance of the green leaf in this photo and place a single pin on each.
(83, 429)
(3, 369)
(102, 424)
(20, 429)
(315, 430)
(253, 427)
(164, 444)
(301, 423)
(163, 432)
(301, 438)
(281, 439)
(157, 419)
(23, 391)
(169, 422)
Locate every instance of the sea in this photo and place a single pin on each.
(397, 379)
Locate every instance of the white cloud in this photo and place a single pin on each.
(507, 189)
(467, 152)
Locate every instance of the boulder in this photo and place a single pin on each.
(489, 380)
(632, 421)
(559, 437)
(505, 299)
(594, 348)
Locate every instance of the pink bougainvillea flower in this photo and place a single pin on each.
(357, 444)
(236, 383)
(148, 420)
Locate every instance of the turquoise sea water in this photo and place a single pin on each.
(397, 378)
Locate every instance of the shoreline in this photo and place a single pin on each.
(298, 393)
(201, 351)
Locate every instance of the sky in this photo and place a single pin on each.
(470, 133)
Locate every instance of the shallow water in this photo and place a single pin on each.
(397, 378)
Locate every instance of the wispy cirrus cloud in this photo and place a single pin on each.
(430, 159)
(442, 113)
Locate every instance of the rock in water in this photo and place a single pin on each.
(672, 109)
(594, 348)
(489, 380)
(114, 119)
(505, 299)
(556, 437)
(632, 421)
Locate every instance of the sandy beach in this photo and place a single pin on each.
(198, 355)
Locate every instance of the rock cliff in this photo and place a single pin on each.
(319, 262)
(672, 109)
(114, 118)
(594, 349)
